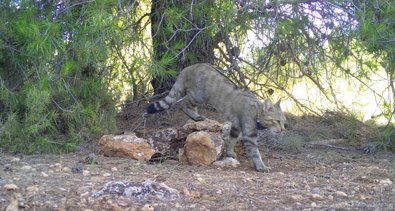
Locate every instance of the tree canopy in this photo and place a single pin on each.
(65, 66)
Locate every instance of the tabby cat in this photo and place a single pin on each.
(202, 83)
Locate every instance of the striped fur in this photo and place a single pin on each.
(202, 83)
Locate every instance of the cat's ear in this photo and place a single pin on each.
(267, 105)
(278, 103)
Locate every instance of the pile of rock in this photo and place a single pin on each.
(196, 143)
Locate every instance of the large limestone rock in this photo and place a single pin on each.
(128, 145)
(201, 148)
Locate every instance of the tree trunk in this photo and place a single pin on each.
(185, 40)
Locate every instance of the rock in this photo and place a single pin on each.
(32, 190)
(341, 193)
(316, 190)
(147, 207)
(227, 162)
(66, 169)
(85, 173)
(313, 204)
(14, 202)
(107, 175)
(201, 148)
(139, 191)
(126, 146)
(192, 194)
(297, 198)
(206, 125)
(386, 182)
(15, 159)
(316, 197)
(26, 168)
(10, 187)
(166, 141)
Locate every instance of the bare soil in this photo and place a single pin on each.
(312, 178)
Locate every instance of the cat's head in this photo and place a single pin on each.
(272, 117)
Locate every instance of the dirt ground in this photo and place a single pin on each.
(312, 178)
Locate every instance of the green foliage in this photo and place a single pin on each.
(294, 142)
(51, 92)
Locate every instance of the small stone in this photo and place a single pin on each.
(147, 207)
(297, 198)
(26, 168)
(10, 187)
(85, 173)
(362, 197)
(107, 175)
(32, 190)
(115, 207)
(194, 194)
(341, 194)
(316, 197)
(227, 162)
(386, 182)
(66, 169)
(43, 174)
(15, 159)
(114, 169)
(316, 190)
(313, 204)
(185, 191)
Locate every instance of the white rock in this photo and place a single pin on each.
(297, 198)
(313, 204)
(32, 190)
(10, 187)
(15, 159)
(316, 197)
(341, 193)
(26, 168)
(85, 173)
(227, 162)
(66, 169)
(386, 182)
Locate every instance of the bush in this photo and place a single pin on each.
(52, 92)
